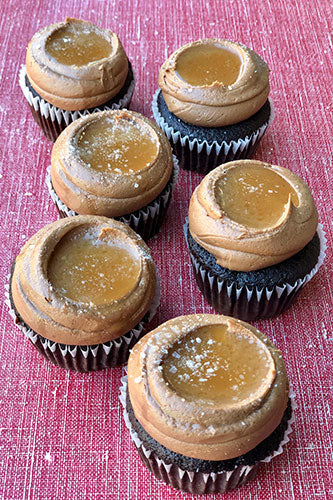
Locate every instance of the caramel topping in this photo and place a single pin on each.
(70, 45)
(205, 64)
(87, 269)
(216, 365)
(116, 145)
(254, 196)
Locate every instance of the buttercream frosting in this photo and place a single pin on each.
(75, 87)
(216, 104)
(54, 313)
(242, 246)
(215, 430)
(109, 192)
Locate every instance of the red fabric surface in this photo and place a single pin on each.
(62, 435)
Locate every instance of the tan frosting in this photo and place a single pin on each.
(192, 427)
(216, 105)
(73, 87)
(88, 191)
(242, 248)
(64, 320)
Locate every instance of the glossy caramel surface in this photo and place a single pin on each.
(205, 64)
(254, 196)
(87, 269)
(75, 46)
(217, 366)
(118, 146)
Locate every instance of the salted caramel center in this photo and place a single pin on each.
(216, 365)
(118, 146)
(205, 64)
(77, 46)
(88, 269)
(254, 196)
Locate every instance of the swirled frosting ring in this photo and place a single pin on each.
(48, 306)
(241, 242)
(71, 86)
(216, 103)
(207, 426)
(109, 191)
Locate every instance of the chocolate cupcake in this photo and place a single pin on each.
(116, 164)
(253, 238)
(82, 290)
(72, 69)
(213, 103)
(207, 402)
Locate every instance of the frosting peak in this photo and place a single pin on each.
(75, 65)
(214, 82)
(251, 215)
(207, 419)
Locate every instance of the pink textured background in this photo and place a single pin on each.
(61, 434)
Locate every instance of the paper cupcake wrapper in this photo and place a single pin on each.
(251, 303)
(146, 221)
(199, 483)
(54, 120)
(204, 156)
(86, 358)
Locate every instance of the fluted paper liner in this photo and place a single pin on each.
(83, 358)
(199, 482)
(203, 156)
(145, 221)
(43, 110)
(250, 303)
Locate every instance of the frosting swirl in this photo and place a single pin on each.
(190, 426)
(109, 192)
(216, 104)
(239, 245)
(71, 86)
(62, 318)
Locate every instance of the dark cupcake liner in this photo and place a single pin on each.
(203, 156)
(146, 221)
(250, 303)
(198, 483)
(53, 120)
(84, 358)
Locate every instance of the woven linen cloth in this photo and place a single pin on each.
(62, 435)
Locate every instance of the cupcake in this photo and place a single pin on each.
(253, 238)
(72, 69)
(207, 402)
(212, 103)
(116, 164)
(82, 290)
